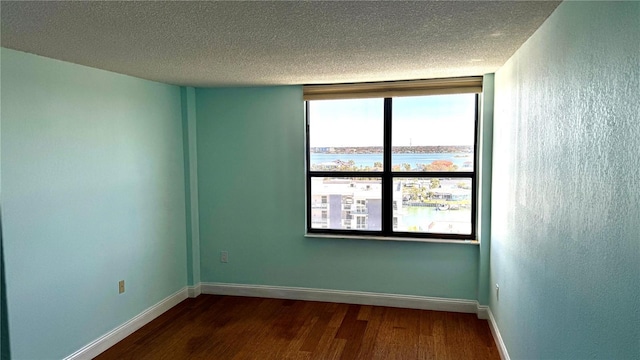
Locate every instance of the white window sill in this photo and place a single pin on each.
(391, 238)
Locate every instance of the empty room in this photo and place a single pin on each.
(320, 180)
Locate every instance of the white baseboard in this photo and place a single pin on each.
(111, 338)
(341, 296)
(504, 355)
(483, 312)
(194, 291)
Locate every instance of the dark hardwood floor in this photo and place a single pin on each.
(231, 327)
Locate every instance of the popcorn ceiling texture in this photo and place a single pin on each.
(565, 245)
(271, 43)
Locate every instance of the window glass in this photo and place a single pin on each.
(433, 133)
(346, 135)
(346, 203)
(432, 205)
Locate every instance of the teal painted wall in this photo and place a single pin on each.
(92, 192)
(565, 225)
(251, 176)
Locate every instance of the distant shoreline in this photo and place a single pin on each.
(394, 149)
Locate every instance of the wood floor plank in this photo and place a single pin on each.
(318, 329)
(326, 347)
(440, 350)
(374, 321)
(231, 327)
(426, 343)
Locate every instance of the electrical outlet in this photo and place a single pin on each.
(224, 256)
(497, 292)
(120, 286)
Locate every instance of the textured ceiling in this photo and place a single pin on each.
(268, 43)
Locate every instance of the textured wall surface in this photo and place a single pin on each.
(92, 193)
(566, 202)
(252, 204)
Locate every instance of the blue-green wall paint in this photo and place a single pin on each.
(5, 352)
(92, 193)
(5, 346)
(252, 204)
(486, 153)
(565, 226)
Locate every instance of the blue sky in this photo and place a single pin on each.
(417, 120)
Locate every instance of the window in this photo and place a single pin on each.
(399, 166)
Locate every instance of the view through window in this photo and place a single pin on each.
(394, 167)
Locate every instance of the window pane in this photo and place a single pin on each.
(433, 133)
(432, 205)
(346, 135)
(346, 203)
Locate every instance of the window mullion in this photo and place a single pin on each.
(476, 171)
(308, 167)
(387, 179)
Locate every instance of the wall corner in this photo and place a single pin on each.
(484, 187)
(188, 102)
